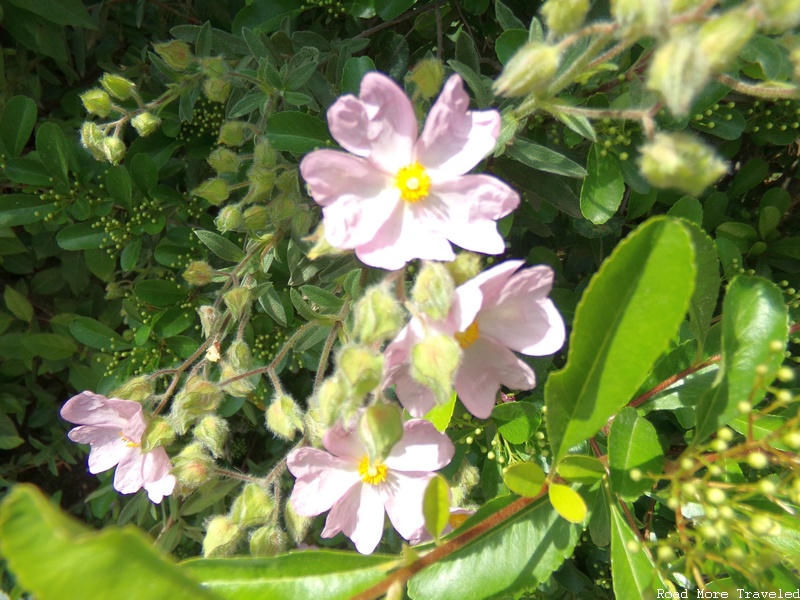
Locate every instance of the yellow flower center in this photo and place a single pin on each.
(129, 442)
(370, 473)
(469, 336)
(413, 182)
(456, 520)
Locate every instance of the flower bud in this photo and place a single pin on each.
(209, 318)
(192, 466)
(680, 161)
(321, 245)
(434, 362)
(137, 389)
(231, 133)
(223, 160)
(380, 427)
(212, 431)
(239, 355)
(198, 272)
(529, 71)
(176, 54)
(240, 388)
(778, 16)
(96, 102)
(678, 71)
(637, 18)
(117, 86)
(466, 266)
(264, 155)
(297, 525)
(378, 316)
(330, 400)
(433, 290)
(214, 66)
(217, 90)
(564, 16)
(92, 139)
(255, 218)
(253, 507)
(214, 190)
(267, 541)
(428, 75)
(145, 123)
(238, 302)
(198, 397)
(229, 219)
(361, 370)
(114, 150)
(159, 432)
(222, 537)
(261, 182)
(722, 38)
(284, 417)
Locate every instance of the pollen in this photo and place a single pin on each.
(413, 182)
(129, 442)
(372, 474)
(469, 336)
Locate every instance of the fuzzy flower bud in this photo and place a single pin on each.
(193, 467)
(297, 525)
(255, 218)
(722, 38)
(779, 15)
(198, 272)
(238, 301)
(378, 316)
(529, 71)
(466, 266)
(96, 102)
(239, 355)
(231, 133)
(145, 123)
(434, 362)
(284, 417)
(214, 190)
(209, 317)
(229, 219)
(222, 537)
(678, 71)
(253, 507)
(433, 290)
(137, 389)
(223, 160)
(331, 400)
(176, 54)
(198, 397)
(680, 161)
(428, 75)
(212, 431)
(217, 89)
(637, 18)
(267, 541)
(159, 432)
(114, 150)
(564, 16)
(361, 370)
(117, 86)
(92, 139)
(379, 429)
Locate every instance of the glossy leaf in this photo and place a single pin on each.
(94, 334)
(707, 284)
(18, 304)
(56, 557)
(633, 444)
(54, 150)
(9, 438)
(80, 236)
(60, 12)
(119, 185)
(577, 468)
(441, 414)
(543, 158)
(159, 292)
(524, 478)
(641, 292)
(292, 131)
(354, 70)
(516, 421)
(16, 123)
(436, 506)
(265, 17)
(49, 345)
(220, 246)
(568, 503)
(602, 189)
(22, 209)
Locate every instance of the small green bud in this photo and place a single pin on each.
(284, 417)
(433, 290)
(217, 90)
(222, 537)
(231, 133)
(297, 525)
(287, 182)
(198, 397)
(214, 190)
(428, 75)
(466, 266)
(757, 460)
(176, 54)
(679, 71)
(212, 431)
(198, 272)
(145, 123)
(192, 466)
(434, 362)
(209, 318)
(214, 66)
(767, 487)
(223, 160)
(637, 18)
(159, 432)
(361, 370)
(380, 427)
(137, 389)
(716, 496)
(680, 161)
(92, 139)
(239, 355)
(264, 155)
(96, 102)
(117, 86)
(238, 302)
(529, 71)
(230, 218)
(255, 218)
(302, 220)
(253, 507)
(778, 16)
(331, 400)
(261, 181)
(114, 150)
(378, 316)
(722, 38)
(240, 388)
(267, 541)
(564, 16)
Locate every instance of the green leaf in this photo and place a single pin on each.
(625, 320)
(160, 292)
(325, 301)
(506, 17)
(220, 246)
(292, 131)
(144, 172)
(55, 557)
(94, 334)
(129, 256)
(509, 42)
(18, 304)
(119, 185)
(543, 187)
(253, 100)
(483, 97)
(633, 444)
(441, 414)
(543, 158)
(390, 9)
(49, 345)
(436, 506)
(568, 503)
(762, 426)
(753, 317)
(16, 124)
(265, 17)
(354, 70)
(603, 187)
(577, 468)
(579, 124)
(271, 303)
(54, 150)
(524, 478)
(707, 284)
(80, 236)
(28, 170)
(516, 421)
(9, 437)
(466, 52)
(540, 540)
(60, 12)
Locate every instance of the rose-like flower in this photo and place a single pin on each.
(500, 310)
(114, 428)
(397, 197)
(357, 490)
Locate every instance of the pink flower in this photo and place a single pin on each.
(114, 429)
(397, 197)
(357, 491)
(498, 311)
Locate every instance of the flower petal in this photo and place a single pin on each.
(331, 175)
(106, 454)
(415, 397)
(379, 125)
(403, 497)
(455, 139)
(322, 479)
(422, 448)
(129, 476)
(359, 515)
(344, 443)
(354, 222)
(88, 408)
(485, 366)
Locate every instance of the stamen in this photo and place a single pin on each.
(128, 441)
(413, 182)
(469, 336)
(373, 474)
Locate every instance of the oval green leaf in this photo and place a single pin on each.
(525, 479)
(633, 444)
(436, 506)
(16, 124)
(603, 187)
(576, 468)
(94, 334)
(49, 345)
(568, 503)
(292, 131)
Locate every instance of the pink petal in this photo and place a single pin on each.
(344, 444)
(104, 456)
(354, 222)
(421, 449)
(88, 408)
(331, 175)
(129, 476)
(322, 479)
(415, 397)
(485, 366)
(156, 490)
(403, 497)
(155, 471)
(490, 283)
(379, 125)
(359, 515)
(455, 139)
